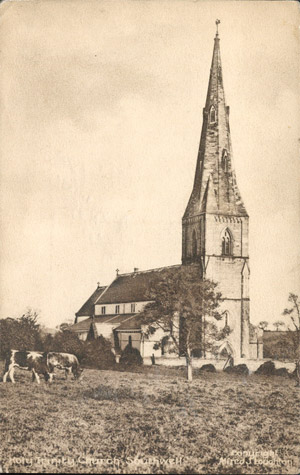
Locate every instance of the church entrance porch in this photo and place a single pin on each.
(130, 338)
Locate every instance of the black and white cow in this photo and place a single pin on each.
(65, 361)
(33, 361)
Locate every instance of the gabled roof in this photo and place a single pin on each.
(87, 308)
(84, 326)
(133, 323)
(133, 287)
(113, 319)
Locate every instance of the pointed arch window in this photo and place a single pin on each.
(225, 160)
(226, 318)
(212, 115)
(227, 243)
(194, 244)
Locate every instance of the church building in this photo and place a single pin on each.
(215, 228)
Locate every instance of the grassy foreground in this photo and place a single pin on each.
(150, 422)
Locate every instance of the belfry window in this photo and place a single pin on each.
(225, 161)
(194, 244)
(212, 115)
(226, 243)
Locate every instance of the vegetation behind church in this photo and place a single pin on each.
(25, 333)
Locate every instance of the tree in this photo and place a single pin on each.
(65, 325)
(184, 307)
(21, 333)
(263, 325)
(98, 354)
(64, 341)
(293, 312)
(278, 324)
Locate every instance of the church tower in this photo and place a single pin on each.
(215, 222)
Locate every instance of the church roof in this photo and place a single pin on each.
(133, 323)
(87, 308)
(84, 325)
(133, 287)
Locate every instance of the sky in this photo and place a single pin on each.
(101, 114)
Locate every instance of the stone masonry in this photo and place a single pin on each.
(215, 223)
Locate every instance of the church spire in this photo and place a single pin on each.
(215, 151)
(215, 226)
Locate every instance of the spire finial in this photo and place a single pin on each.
(217, 23)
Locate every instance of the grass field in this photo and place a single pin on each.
(150, 422)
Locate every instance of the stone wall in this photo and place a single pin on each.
(252, 364)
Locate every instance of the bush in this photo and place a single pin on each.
(267, 368)
(241, 369)
(97, 354)
(65, 342)
(279, 345)
(281, 372)
(208, 368)
(131, 356)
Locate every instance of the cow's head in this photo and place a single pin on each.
(48, 377)
(78, 373)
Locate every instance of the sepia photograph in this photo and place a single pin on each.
(150, 236)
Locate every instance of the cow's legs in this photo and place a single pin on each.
(35, 376)
(67, 372)
(11, 372)
(5, 376)
(8, 366)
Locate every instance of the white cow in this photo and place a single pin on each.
(33, 361)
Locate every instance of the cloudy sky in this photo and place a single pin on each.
(101, 112)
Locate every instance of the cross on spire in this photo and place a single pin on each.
(217, 24)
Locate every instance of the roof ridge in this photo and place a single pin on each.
(148, 270)
(101, 288)
(112, 318)
(129, 318)
(106, 288)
